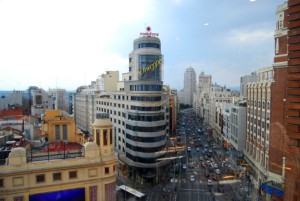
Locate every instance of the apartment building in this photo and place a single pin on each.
(258, 126)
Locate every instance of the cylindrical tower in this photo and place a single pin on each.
(147, 114)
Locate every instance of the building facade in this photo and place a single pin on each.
(75, 171)
(140, 112)
(139, 109)
(244, 81)
(258, 126)
(189, 86)
(292, 105)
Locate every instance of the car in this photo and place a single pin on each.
(218, 171)
(192, 178)
(201, 158)
(174, 180)
(206, 174)
(216, 165)
(184, 166)
(189, 149)
(198, 149)
(209, 182)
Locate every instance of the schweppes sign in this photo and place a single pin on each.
(151, 66)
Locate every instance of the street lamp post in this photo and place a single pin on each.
(171, 158)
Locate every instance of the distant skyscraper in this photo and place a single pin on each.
(189, 85)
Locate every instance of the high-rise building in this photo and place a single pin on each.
(189, 86)
(139, 109)
(202, 92)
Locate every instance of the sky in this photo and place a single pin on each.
(68, 43)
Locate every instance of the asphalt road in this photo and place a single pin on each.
(183, 189)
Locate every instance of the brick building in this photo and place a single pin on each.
(292, 104)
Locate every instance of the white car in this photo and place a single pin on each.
(209, 182)
(174, 180)
(184, 166)
(192, 178)
(218, 171)
(189, 149)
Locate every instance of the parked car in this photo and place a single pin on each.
(192, 178)
(218, 171)
(184, 166)
(209, 182)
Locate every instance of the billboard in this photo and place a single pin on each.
(72, 194)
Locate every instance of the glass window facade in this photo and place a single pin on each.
(145, 87)
(149, 45)
(150, 67)
(141, 108)
(146, 139)
(146, 118)
(143, 160)
(146, 98)
(146, 129)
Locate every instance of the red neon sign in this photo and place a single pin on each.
(148, 33)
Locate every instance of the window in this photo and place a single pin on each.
(57, 176)
(18, 198)
(107, 170)
(57, 132)
(104, 137)
(40, 178)
(65, 132)
(1, 183)
(98, 137)
(110, 138)
(73, 174)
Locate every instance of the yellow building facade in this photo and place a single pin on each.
(86, 173)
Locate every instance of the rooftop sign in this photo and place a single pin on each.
(148, 33)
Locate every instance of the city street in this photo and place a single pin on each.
(206, 171)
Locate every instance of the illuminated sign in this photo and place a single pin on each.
(151, 66)
(72, 194)
(148, 33)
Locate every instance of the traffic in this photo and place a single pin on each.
(205, 172)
